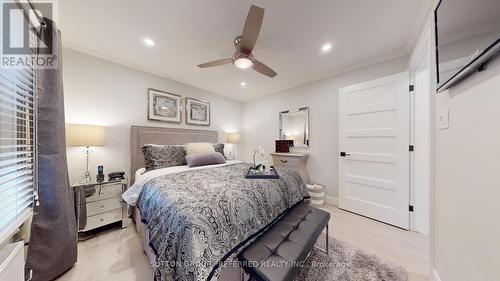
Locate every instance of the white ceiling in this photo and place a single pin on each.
(190, 32)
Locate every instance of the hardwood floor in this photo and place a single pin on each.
(113, 255)
(408, 249)
(116, 254)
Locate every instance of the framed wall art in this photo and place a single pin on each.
(163, 106)
(197, 112)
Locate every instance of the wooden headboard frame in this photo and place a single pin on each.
(141, 135)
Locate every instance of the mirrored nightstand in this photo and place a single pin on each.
(99, 203)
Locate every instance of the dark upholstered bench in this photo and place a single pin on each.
(278, 252)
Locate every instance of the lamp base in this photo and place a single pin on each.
(231, 152)
(88, 178)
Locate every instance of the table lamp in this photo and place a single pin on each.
(232, 138)
(87, 136)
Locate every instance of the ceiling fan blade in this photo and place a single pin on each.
(263, 69)
(251, 28)
(216, 63)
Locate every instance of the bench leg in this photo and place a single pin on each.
(327, 240)
(326, 243)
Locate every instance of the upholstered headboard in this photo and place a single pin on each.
(141, 135)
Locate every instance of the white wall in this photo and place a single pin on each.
(467, 191)
(261, 118)
(101, 92)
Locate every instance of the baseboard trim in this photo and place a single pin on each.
(435, 275)
(332, 201)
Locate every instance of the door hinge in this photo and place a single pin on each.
(411, 208)
(412, 148)
(412, 88)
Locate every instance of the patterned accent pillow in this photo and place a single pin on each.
(219, 147)
(163, 156)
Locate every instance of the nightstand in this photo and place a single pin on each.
(99, 203)
(292, 160)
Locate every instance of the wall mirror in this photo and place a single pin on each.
(294, 125)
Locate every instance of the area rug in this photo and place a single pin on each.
(345, 263)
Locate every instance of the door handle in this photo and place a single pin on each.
(344, 154)
(284, 161)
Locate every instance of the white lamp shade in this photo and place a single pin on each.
(233, 138)
(85, 135)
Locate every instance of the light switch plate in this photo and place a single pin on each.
(444, 119)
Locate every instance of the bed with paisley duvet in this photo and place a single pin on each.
(194, 221)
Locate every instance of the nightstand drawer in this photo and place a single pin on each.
(97, 207)
(103, 219)
(286, 161)
(296, 169)
(105, 192)
(293, 161)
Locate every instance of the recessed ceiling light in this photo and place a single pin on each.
(243, 84)
(327, 47)
(149, 42)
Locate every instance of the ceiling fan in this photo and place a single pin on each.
(243, 57)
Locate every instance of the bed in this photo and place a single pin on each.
(194, 221)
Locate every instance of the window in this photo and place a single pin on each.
(17, 145)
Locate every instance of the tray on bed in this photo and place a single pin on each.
(256, 174)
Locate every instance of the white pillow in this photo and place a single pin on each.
(199, 148)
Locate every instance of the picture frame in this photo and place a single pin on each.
(164, 107)
(197, 112)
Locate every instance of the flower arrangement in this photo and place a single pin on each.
(258, 151)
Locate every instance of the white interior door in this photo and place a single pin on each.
(374, 135)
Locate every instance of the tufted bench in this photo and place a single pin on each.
(278, 253)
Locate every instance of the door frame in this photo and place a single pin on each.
(422, 54)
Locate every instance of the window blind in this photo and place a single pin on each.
(17, 145)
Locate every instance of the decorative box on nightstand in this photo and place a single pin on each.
(292, 160)
(99, 204)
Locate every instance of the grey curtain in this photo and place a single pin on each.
(53, 244)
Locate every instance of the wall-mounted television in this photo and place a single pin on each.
(467, 37)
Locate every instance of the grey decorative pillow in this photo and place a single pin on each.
(163, 156)
(219, 147)
(196, 160)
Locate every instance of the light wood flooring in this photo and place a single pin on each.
(408, 249)
(116, 254)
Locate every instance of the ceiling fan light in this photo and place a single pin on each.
(243, 63)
